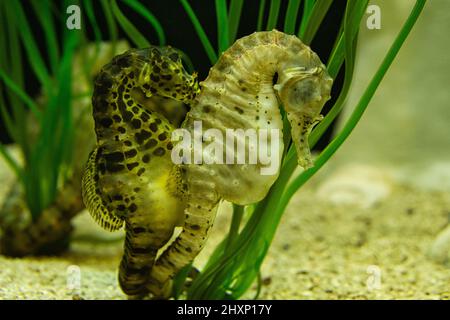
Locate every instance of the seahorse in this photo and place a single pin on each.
(129, 178)
(240, 93)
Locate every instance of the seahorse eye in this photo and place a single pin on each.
(303, 92)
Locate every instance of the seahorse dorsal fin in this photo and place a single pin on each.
(93, 200)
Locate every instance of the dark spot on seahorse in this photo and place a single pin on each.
(104, 78)
(166, 77)
(106, 122)
(120, 89)
(174, 57)
(136, 123)
(156, 69)
(101, 90)
(116, 118)
(195, 227)
(141, 171)
(132, 207)
(135, 110)
(140, 271)
(127, 143)
(137, 189)
(154, 77)
(159, 152)
(101, 105)
(127, 115)
(155, 51)
(239, 110)
(123, 61)
(121, 207)
(169, 146)
(117, 197)
(129, 103)
(165, 65)
(126, 96)
(146, 250)
(150, 144)
(138, 230)
(145, 116)
(142, 135)
(170, 263)
(146, 158)
(114, 69)
(153, 127)
(162, 136)
(114, 156)
(133, 165)
(188, 249)
(102, 168)
(121, 129)
(207, 108)
(158, 121)
(114, 167)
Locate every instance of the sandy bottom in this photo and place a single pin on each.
(322, 250)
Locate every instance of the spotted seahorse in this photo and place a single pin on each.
(129, 178)
(239, 93)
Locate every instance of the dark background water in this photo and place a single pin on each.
(181, 34)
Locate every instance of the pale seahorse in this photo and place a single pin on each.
(129, 178)
(240, 93)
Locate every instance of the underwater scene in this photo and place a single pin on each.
(224, 150)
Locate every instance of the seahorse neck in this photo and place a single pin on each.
(115, 106)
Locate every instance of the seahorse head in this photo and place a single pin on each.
(303, 92)
(163, 74)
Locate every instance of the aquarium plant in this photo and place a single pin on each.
(53, 130)
(42, 128)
